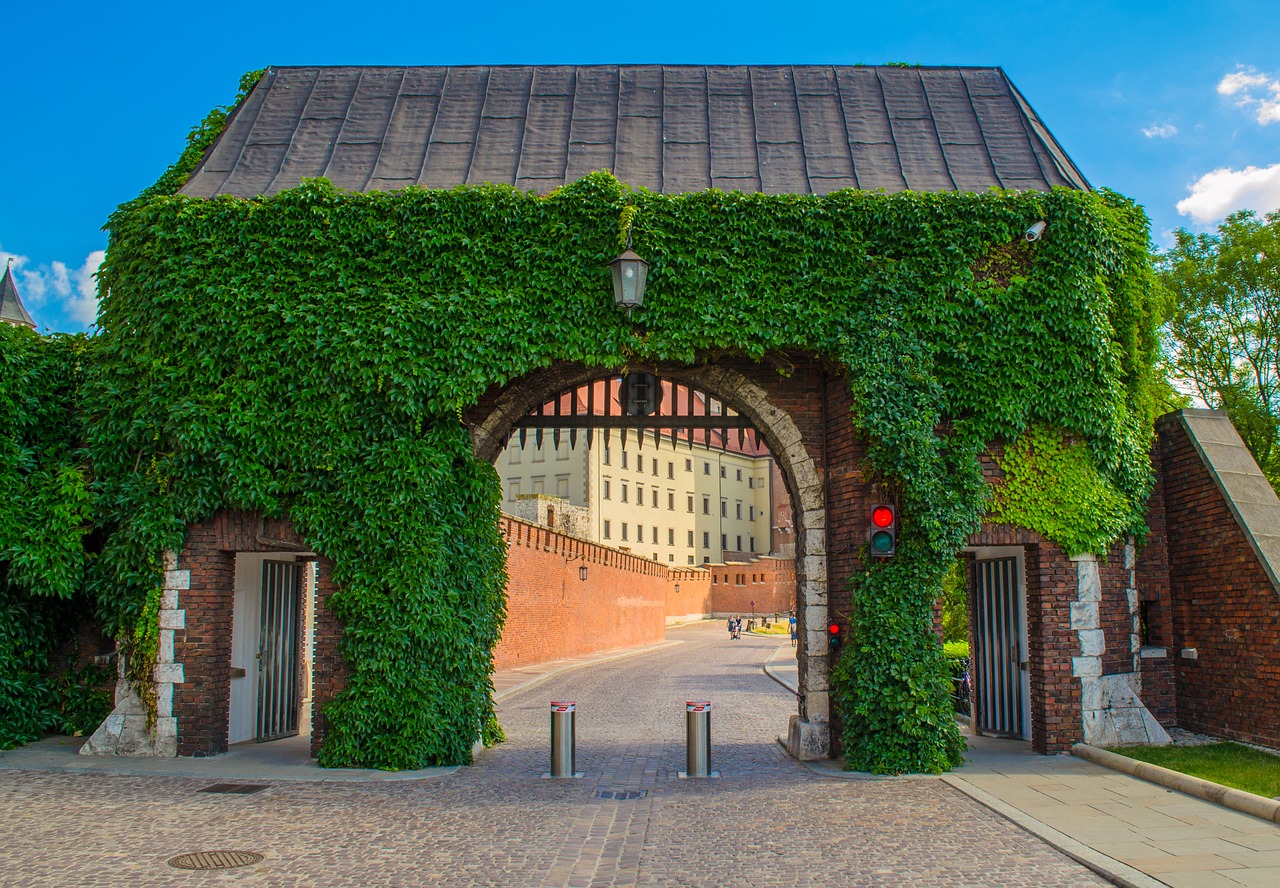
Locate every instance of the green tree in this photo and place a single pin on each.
(1222, 339)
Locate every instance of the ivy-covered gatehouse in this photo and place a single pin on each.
(323, 323)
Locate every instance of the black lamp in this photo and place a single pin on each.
(629, 274)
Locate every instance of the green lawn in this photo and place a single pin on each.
(1227, 763)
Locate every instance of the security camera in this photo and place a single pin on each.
(1035, 232)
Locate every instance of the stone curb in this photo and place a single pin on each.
(1108, 867)
(772, 673)
(1235, 799)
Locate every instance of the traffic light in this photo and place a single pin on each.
(883, 533)
(833, 637)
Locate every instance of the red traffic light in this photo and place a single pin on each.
(883, 533)
(833, 637)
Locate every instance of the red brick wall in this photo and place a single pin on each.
(1114, 615)
(1223, 605)
(552, 614)
(1159, 679)
(202, 703)
(769, 582)
(694, 596)
(329, 670)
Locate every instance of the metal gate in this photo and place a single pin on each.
(278, 650)
(999, 658)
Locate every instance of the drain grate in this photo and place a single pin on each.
(237, 788)
(214, 860)
(621, 795)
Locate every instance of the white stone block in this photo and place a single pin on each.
(169, 599)
(173, 619)
(168, 672)
(1092, 643)
(170, 559)
(1130, 556)
(1084, 615)
(164, 699)
(177, 579)
(817, 706)
(165, 654)
(1091, 696)
(813, 518)
(815, 541)
(1089, 580)
(1086, 667)
(815, 567)
(1087, 556)
(166, 727)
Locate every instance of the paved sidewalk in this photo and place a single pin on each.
(768, 821)
(1134, 832)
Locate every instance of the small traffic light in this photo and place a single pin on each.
(833, 637)
(883, 533)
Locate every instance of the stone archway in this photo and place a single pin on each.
(809, 732)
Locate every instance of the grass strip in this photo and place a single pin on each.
(1229, 764)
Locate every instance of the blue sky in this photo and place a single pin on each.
(1174, 104)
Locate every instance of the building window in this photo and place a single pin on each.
(724, 508)
(654, 538)
(653, 501)
(688, 465)
(671, 501)
(751, 482)
(639, 533)
(671, 470)
(724, 541)
(513, 491)
(738, 510)
(739, 471)
(624, 459)
(706, 468)
(562, 486)
(706, 559)
(706, 540)
(655, 556)
(514, 458)
(639, 495)
(538, 484)
(624, 530)
(751, 513)
(706, 505)
(538, 454)
(691, 502)
(691, 559)
(607, 530)
(671, 557)
(654, 463)
(606, 456)
(724, 471)
(671, 536)
(691, 539)
(624, 491)
(753, 544)
(604, 489)
(738, 547)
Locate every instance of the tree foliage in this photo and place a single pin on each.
(1222, 338)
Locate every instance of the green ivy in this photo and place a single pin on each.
(45, 512)
(1055, 489)
(308, 355)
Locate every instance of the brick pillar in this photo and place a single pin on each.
(329, 671)
(202, 702)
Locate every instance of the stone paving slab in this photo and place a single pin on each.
(767, 821)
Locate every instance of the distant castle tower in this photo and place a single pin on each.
(12, 311)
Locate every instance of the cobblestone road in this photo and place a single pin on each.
(766, 821)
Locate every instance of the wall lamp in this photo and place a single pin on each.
(582, 573)
(629, 275)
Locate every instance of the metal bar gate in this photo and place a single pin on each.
(278, 651)
(999, 653)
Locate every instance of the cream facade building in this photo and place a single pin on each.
(674, 502)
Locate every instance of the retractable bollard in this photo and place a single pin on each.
(563, 756)
(697, 722)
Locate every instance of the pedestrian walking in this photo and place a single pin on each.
(792, 621)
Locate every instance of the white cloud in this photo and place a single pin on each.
(74, 291)
(1257, 92)
(1160, 131)
(1221, 192)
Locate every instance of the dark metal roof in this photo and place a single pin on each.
(790, 129)
(12, 310)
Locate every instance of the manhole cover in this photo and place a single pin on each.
(237, 788)
(621, 795)
(212, 860)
